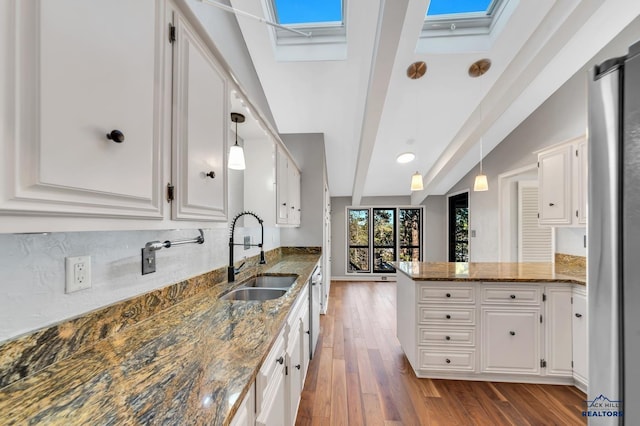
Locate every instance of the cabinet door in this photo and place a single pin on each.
(582, 181)
(246, 412)
(579, 335)
(80, 70)
(305, 334)
(273, 410)
(200, 120)
(554, 179)
(282, 187)
(510, 340)
(294, 376)
(294, 195)
(558, 331)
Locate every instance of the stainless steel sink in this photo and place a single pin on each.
(271, 281)
(253, 293)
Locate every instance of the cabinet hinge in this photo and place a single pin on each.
(538, 164)
(572, 300)
(571, 364)
(286, 370)
(171, 192)
(544, 297)
(577, 213)
(172, 33)
(540, 318)
(576, 152)
(543, 363)
(538, 215)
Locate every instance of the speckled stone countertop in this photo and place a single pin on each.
(492, 272)
(190, 364)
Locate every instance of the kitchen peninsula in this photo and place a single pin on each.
(514, 322)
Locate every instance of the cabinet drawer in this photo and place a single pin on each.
(511, 295)
(445, 360)
(447, 336)
(438, 315)
(445, 294)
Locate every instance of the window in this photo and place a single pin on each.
(454, 18)
(324, 19)
(302, 12)
(459, 228)
(379, 235)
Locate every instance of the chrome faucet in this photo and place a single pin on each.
(231, 270)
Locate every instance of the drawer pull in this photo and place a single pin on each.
(116, 135)
(513, 333)
(298, 366)
(280, 360)
(551, 204)
(448, 295)
(448, 338)
(211, 174)
(448, 361)
(513, 296)
(448, 316)
(578, 315)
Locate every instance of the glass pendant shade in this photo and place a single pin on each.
(416, 182)
(481, 183)
(236, 157)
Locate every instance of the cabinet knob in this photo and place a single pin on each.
(513, 333)
(115, 135)
(284, 204)
(298, 366)
(293, 207)
(551, 204)
(308, 331)
(448, 361)
(448, 294)
(513, 296)
(578, 315)
(211, 174)
(448, 338)
(280, 360)
(448, 316)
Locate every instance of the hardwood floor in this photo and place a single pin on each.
(359, 376)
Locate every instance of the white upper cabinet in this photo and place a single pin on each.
(81, 70)
(200, 120)
(101, 114)
(562, 180)
(287, 190)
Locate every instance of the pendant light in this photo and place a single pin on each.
(236, 153)
(416, 182)
(478, 69)
(481, 183)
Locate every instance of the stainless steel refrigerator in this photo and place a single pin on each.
(613, 276)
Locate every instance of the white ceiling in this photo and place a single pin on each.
(369, 111)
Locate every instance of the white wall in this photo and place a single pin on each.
(338, 226)
(561, 117)
(309, 154)
(435, 236)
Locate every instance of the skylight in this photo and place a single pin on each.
(449, 7)
(447, 18)
(308, 12)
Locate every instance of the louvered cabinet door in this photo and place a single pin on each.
(534, 241)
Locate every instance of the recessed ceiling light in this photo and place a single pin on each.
(405, 157)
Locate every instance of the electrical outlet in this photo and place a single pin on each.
(78, 273)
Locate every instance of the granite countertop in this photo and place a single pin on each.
(492, 272)
(192, 363)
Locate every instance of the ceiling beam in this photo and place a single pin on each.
(390, 24)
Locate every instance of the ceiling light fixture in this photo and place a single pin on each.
(236, 153)
(405, 157)
(416, 182)
(478, 69)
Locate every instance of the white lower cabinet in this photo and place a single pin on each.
(511, 340)
(281, 378)
(580, 337)
(490, 331)
(245, 416)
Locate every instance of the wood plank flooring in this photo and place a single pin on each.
(360, 376)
